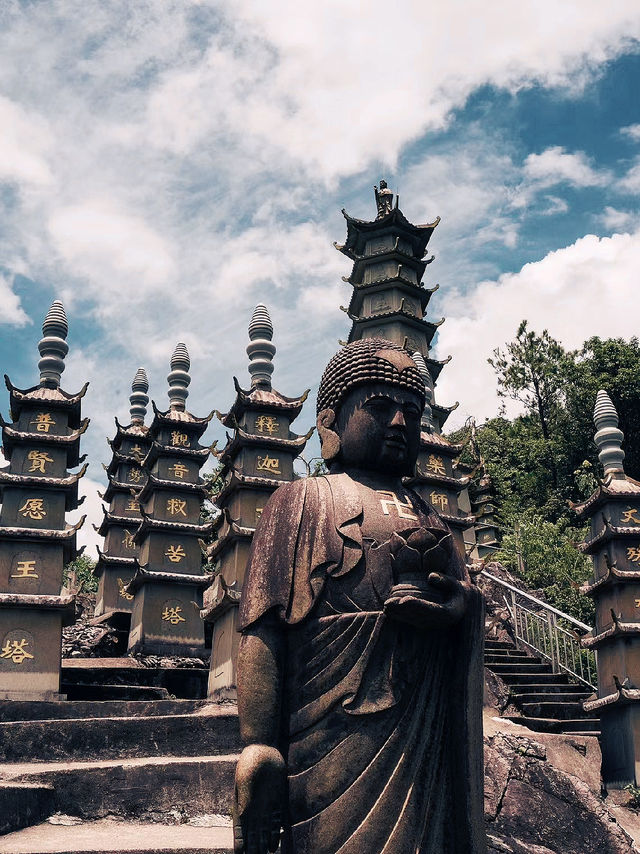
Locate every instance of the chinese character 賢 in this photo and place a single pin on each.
(175, 553)
(176, 506)
(15, 650)
(403, 509)
(135, 475)
(172, 615)
(267, 424)
(122, 591)
(33, 508)
(270, 464)
(43, 421)
(630, 515)
(137, 453)
(439, 499)
(26, 569)
(435, 464)
(179, 439)
(178, 470)
(127, 540)
(38, 460)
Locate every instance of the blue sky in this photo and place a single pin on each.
(164, 166)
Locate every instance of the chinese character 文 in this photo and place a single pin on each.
(439, 499)
(38, 460)
(172, 615)
(15, 650)
(403, 509)
(122, 591)
(180, 440)
(135, 475)
(435, 465)
(26, 569)
(270, 464)
(630, 515)
(127, 540)
(43, 422)
(176, 506)
(633, 554)
(178, 470)
(267, 424)
(33, 508)
(175, 553)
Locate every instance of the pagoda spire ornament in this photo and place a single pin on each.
(608, 437)
(427, 412)
(139, 398)
(179, 378)
(260, 349)
(53, 346)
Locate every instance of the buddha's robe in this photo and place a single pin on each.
(382, 722)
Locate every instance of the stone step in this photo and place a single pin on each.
(528, 677)
(579, 725)
(556, 709)
(40, 710)
(78, 675)
(549, 697)
(107, 836)
(526, 666)
(212, 730)
(93, 693)
(560, 686)
(132, 787)
(491, 659)
(23, 804)
(493, 644)
(506, 653)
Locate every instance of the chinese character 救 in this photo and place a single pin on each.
(177, 506)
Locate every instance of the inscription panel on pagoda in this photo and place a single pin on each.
(44, 420)
(171, 553)
(125, 504)
(274, 464)
(119, 540)
(173, 506)
(431, 463)
(177, 469)
(30, 651)
(39, 460)
(176, 437)
(246, 506)
(112, 595)
(32, 568)
(131, 474)
(136, 448)
(624, 600)
(29, 508)
(164, 615)
(379, 243)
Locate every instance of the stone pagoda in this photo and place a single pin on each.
(389, 301)
(256, 460)
(167, 586)
(614, 545)
(41, 443)
(483, 506)
(117, 563)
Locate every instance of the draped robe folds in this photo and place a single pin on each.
(382, 729)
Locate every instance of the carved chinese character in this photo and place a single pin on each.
(133, 504)
(33, 508)
(403, 509)
(172, 615)
(15, 651)
(633, 554)
(137, 453)
(38, 460)
(26, 569)
(630, 515)
(135, 475)
(175, 553)
(43, 422)
(258, 514)
(439, 499)
(267, 424)
(176, 506)
(180, 440)
(122, 592)
(270, 464)
(178, 470)
(637, 603)
(127, 540)
(436, 465)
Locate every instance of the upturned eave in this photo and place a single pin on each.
(39, 395)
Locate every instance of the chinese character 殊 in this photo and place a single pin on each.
(137, 453)
(404, 510)
(175, 553)
(270, 464)
(267, 424)
(176, 506)
(33, 508)
(435, 464)
(43, 422)
(180, 440)
(633, 554)
(172, 615)
(133, 504)
(26, 569)
(122, 592)
(135, 475)
(15, 650)
(38, 460)
(127, 540)
(630, 515)
(439, 499)
(178, 470)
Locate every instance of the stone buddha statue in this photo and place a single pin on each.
(360, 666)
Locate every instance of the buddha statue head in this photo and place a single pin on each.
(370, 402)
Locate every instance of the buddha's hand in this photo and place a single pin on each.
(258, 802)
(441, 605)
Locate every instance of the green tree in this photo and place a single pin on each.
(79, 573)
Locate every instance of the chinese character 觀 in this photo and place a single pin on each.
(38, 460)
(175, 553)
(180, 440)
(176, 506)
(15, 650)
(43, 422)
(33, 508)
(172, 615)
(26, 569)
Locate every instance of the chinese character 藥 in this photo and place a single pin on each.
(267, 424)
(43, 422)
(435, 464)
(270, 464)
(439, 499)
(178, 470)
(38, 460)
(15, 650)
(176, 506)
(33, 508)
(26, 569)
(179, 439)
(172, 615)
(175, 553)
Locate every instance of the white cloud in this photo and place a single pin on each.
(11, 312)
(632, 131)
(24, 142)
(588, 288)
(555, 206)
(630, 183)
(617, 220)
(555, 165)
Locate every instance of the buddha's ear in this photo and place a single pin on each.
(329, 439)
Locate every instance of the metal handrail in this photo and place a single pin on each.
(542, 633)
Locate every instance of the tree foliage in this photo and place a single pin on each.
(79, 575)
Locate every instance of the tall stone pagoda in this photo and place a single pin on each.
(389, 300)
(483, 506)
(614, 546)
(118, 562)
(167, 586)
(257, 459)
(41, 443)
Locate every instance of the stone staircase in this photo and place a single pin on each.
(547, 701)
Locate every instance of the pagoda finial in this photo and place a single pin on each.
(179, 377)
(53, 347)
(139, 397)
(608, 437)
(384, 199)
(427, 412)
(260, 350)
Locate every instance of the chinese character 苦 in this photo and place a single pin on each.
(175, 553)
(439, 499)
(38, 460)
(172, 615)
(179, 439)
(176, 506)
(630, 515)
(26, 569)
(43, 422)
(435, 464)
(267, 424)
(33, 508)
(270, 464)
(179, 470)
(15, 650)
(128, 540)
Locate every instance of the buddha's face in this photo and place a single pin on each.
(379, 429)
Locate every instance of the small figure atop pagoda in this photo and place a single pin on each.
(384, 199)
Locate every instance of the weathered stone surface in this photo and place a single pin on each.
(22, 804)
